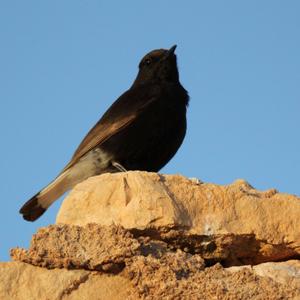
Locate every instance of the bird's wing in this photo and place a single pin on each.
(121, 114)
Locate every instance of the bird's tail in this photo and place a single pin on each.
(39, 203)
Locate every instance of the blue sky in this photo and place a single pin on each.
(64, 62)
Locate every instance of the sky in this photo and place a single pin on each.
(63, 63)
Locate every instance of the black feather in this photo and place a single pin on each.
(32, 210)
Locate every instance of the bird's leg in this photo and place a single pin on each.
(118, 166)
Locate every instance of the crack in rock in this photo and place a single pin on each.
(74, 286)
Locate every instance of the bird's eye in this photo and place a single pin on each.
(148, 61)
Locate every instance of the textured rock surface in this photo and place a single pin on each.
(91, 247)
(161, 237)
(157, 279)
(20, 281)
(287, 272)
(258, 226)
(172, 276)
(141, 268)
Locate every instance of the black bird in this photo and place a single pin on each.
(142, 130)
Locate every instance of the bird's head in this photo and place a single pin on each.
(158, 65)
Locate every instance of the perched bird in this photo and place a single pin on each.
(142, 130)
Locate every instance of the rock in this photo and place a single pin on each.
(157, 279)
(203, 218)
(139, 235)
(141, 268)
(91, 247)
(20, 281)
(171, 277)
(287, 272)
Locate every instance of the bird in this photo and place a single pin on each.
(142, 130)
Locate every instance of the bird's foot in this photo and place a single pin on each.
(119, 166)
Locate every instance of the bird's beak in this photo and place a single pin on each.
(170, 51)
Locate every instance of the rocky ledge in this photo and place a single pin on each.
(139, 235)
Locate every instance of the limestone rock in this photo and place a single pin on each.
(171, 277)
(142, 268)
(139, 235)
(201, 217)
(91, 247)
(287, 272)
(160, 279)
(21, 281)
